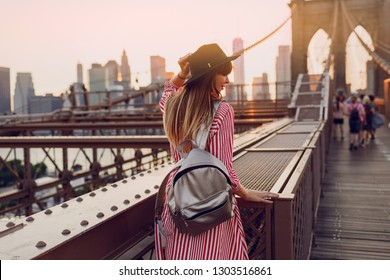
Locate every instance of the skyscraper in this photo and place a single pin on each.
(98, 84)
(239, 70)
(112, 68)
(24, 90)
(78, 88)
(260, 87)
(5, 90)
(283, 73)
(79, 73)
(125, 71)
(157, 69)
(237, 90)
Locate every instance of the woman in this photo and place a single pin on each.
(338, 117)
(187, 104)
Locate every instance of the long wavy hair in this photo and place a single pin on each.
(191, 107)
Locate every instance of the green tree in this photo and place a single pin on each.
(7, 178)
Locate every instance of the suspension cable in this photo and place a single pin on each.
(264, 38)
(377, 58)
(332, 37)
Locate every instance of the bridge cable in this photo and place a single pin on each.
(377, 58)
(264, 38)
(332, 37)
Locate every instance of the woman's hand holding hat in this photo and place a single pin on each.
(184, 66)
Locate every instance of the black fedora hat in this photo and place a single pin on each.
(205, 59)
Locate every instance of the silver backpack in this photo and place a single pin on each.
(200, 194)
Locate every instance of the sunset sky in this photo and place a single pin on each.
(48, 38)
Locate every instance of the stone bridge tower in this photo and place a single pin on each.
(310, 16)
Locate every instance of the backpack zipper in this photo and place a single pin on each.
(205, 212)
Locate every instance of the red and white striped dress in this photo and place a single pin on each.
(227, 240)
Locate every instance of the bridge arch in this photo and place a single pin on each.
(318, 50)
(358, 60)
(310, 16)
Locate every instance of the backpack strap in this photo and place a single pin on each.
(159, 206)
(160, 197)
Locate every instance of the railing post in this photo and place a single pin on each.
(66, 175)
(28, 182)
(283, 229)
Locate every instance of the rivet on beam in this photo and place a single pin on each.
(133, 178)
(48, 212)
(114, 185)
(79, 199)
(65, 232)
(126, 201)
(100, 215)
(10, 224)
(147, 191)
(30, 219)
(84, 223)
(114, 208)
(137, 196)
(64, 205)
(124, 181)
(104, 189)
(40, 244)
(142, 174)
(149, 171)
(92, 194)
(156, 168)
(156, 187)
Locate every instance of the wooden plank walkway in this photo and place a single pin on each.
(353, 220)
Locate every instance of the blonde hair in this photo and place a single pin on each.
(366, 100)
(186, 111)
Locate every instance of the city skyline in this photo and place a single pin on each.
(49, 39)
(43, 41)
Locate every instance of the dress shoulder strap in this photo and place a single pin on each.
(203, 133)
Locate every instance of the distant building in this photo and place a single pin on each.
(231, 92)
(116, 90)
(260, 87)
(24, 90)
(157, 69)
(239, 67)
(44, 104)
(113, 72)
(237, 90)
(5, 90)
(283, 73)
(80, 73)
(125, 73)
(79, 91)
(112, 77)
(98, 84)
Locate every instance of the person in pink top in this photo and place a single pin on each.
(355, 111)
(187, 104)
